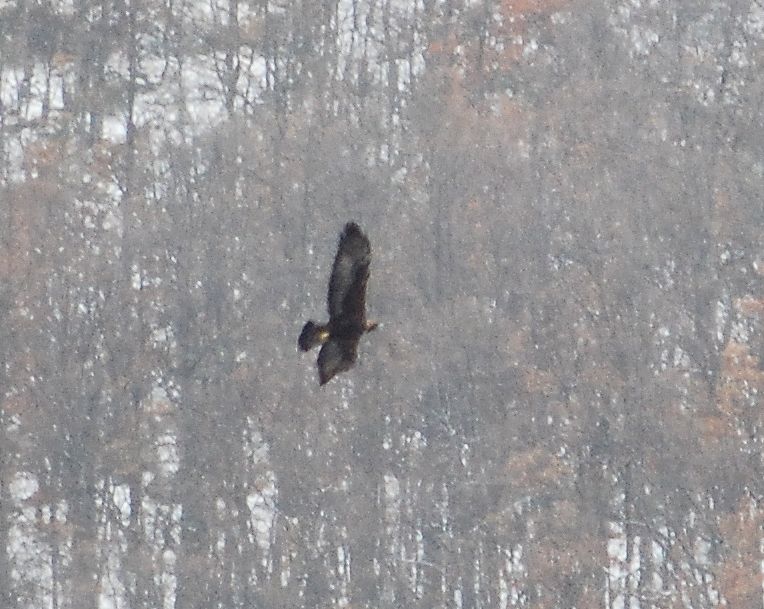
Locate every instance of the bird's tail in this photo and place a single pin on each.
(312, 334)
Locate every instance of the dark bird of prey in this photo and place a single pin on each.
(347, 307)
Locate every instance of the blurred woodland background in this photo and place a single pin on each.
(563, 407)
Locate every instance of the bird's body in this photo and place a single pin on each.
(347, 307)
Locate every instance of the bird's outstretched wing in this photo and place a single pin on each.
(350, 273)
(336, 356)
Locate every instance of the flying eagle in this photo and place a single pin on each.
(347, 307)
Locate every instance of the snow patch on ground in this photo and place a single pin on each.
(23, 486)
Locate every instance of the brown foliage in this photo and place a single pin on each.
(539, 381)
(536, 468)
(740, 576)
(740, 372)
(532, 7)
(714, 428)
(748, 305)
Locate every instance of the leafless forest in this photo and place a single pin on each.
(563, 405)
